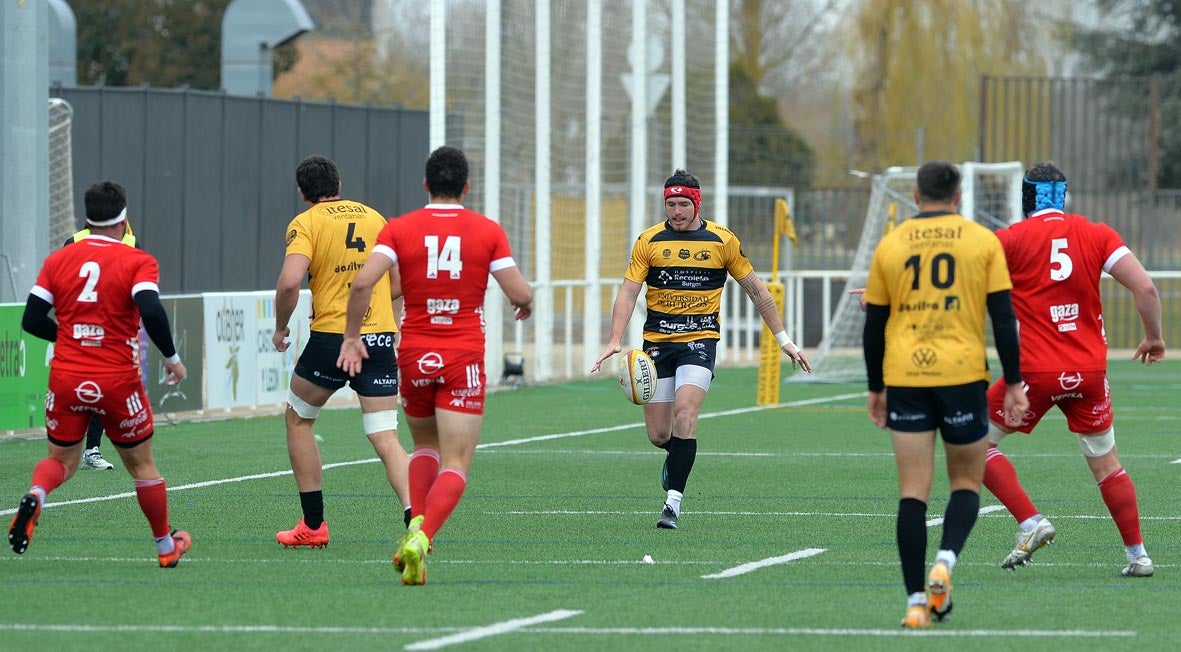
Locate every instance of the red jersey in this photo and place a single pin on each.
(444, 254)
(1055, 261)
(90, 285)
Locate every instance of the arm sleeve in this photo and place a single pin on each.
(36, 320)
(874, 343)
(1004, 331)
(155, 321)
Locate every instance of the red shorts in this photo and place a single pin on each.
(1083, 396)
(120, 401)
(441, 379)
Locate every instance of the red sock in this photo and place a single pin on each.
(1001, 479)
(442, 500)
(424, 468)
(1120, 495)
(153, 500)
(49, 474)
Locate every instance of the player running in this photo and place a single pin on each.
(1055, 260)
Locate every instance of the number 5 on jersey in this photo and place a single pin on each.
(446, 259)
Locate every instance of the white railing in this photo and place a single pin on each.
(572, 355)
(741, 325)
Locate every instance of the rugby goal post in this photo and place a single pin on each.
(990, 195)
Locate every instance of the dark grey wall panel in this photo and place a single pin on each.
(160, 223)
(211, 177)
(204, 159)
(242, 183)
(281, 201)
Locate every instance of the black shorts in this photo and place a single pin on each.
(670, 355)
(379, 373)
(958, 412)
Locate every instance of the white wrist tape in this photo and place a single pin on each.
(174, 359)
(783, 339)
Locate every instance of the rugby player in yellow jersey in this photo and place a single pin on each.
(684, 260)
(329, 243)
(930, 282)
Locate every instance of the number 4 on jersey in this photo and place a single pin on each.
(448, 259)
(352, 240)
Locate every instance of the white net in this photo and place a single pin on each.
(991, 195)
(61, 172)
(567, 233)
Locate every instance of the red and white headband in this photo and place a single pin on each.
(692, 194)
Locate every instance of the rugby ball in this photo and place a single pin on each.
(637, 376)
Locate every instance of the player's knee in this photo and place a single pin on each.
(995, 434)
(302, 408)
(1097, 445)
(375, 422)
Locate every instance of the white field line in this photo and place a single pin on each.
(584, 631)
(816, 631)
(492, 630)
(321, 560)
(513, 442)
(763, 563)
(983, 510)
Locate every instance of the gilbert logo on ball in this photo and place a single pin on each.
(637, 376)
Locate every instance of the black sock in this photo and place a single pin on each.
(666, 444)
(962, 509)
(911, 533)
(312, 503)
(94, 432)
(406, 516)
(681, 455)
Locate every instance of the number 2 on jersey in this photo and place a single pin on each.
(89, 271)
(446, 259)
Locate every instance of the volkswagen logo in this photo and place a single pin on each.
(923, 358)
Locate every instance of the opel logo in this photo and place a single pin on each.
(923, 358)
(89, 392)
(430, 363)
(1070, 381)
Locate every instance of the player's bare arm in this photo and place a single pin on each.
(352, 349)
(1130, 273)
(761, 297)
(295, 267)
(621, 313)
(516, 288)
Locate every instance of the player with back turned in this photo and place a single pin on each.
(1056, 259)
(444, 255)
(99, 289)
(931, 281)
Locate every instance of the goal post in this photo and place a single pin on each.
(990, 195)
(61, 172)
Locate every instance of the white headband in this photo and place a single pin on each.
(111, 222)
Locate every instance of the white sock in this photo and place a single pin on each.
(916, 599)
(165, 544)
(674, 501)
(1135, 552)
(1028, 524)
(40, 494)
(948, 557)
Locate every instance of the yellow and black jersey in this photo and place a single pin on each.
(935, 272)
(685, 273)
(337, 236)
